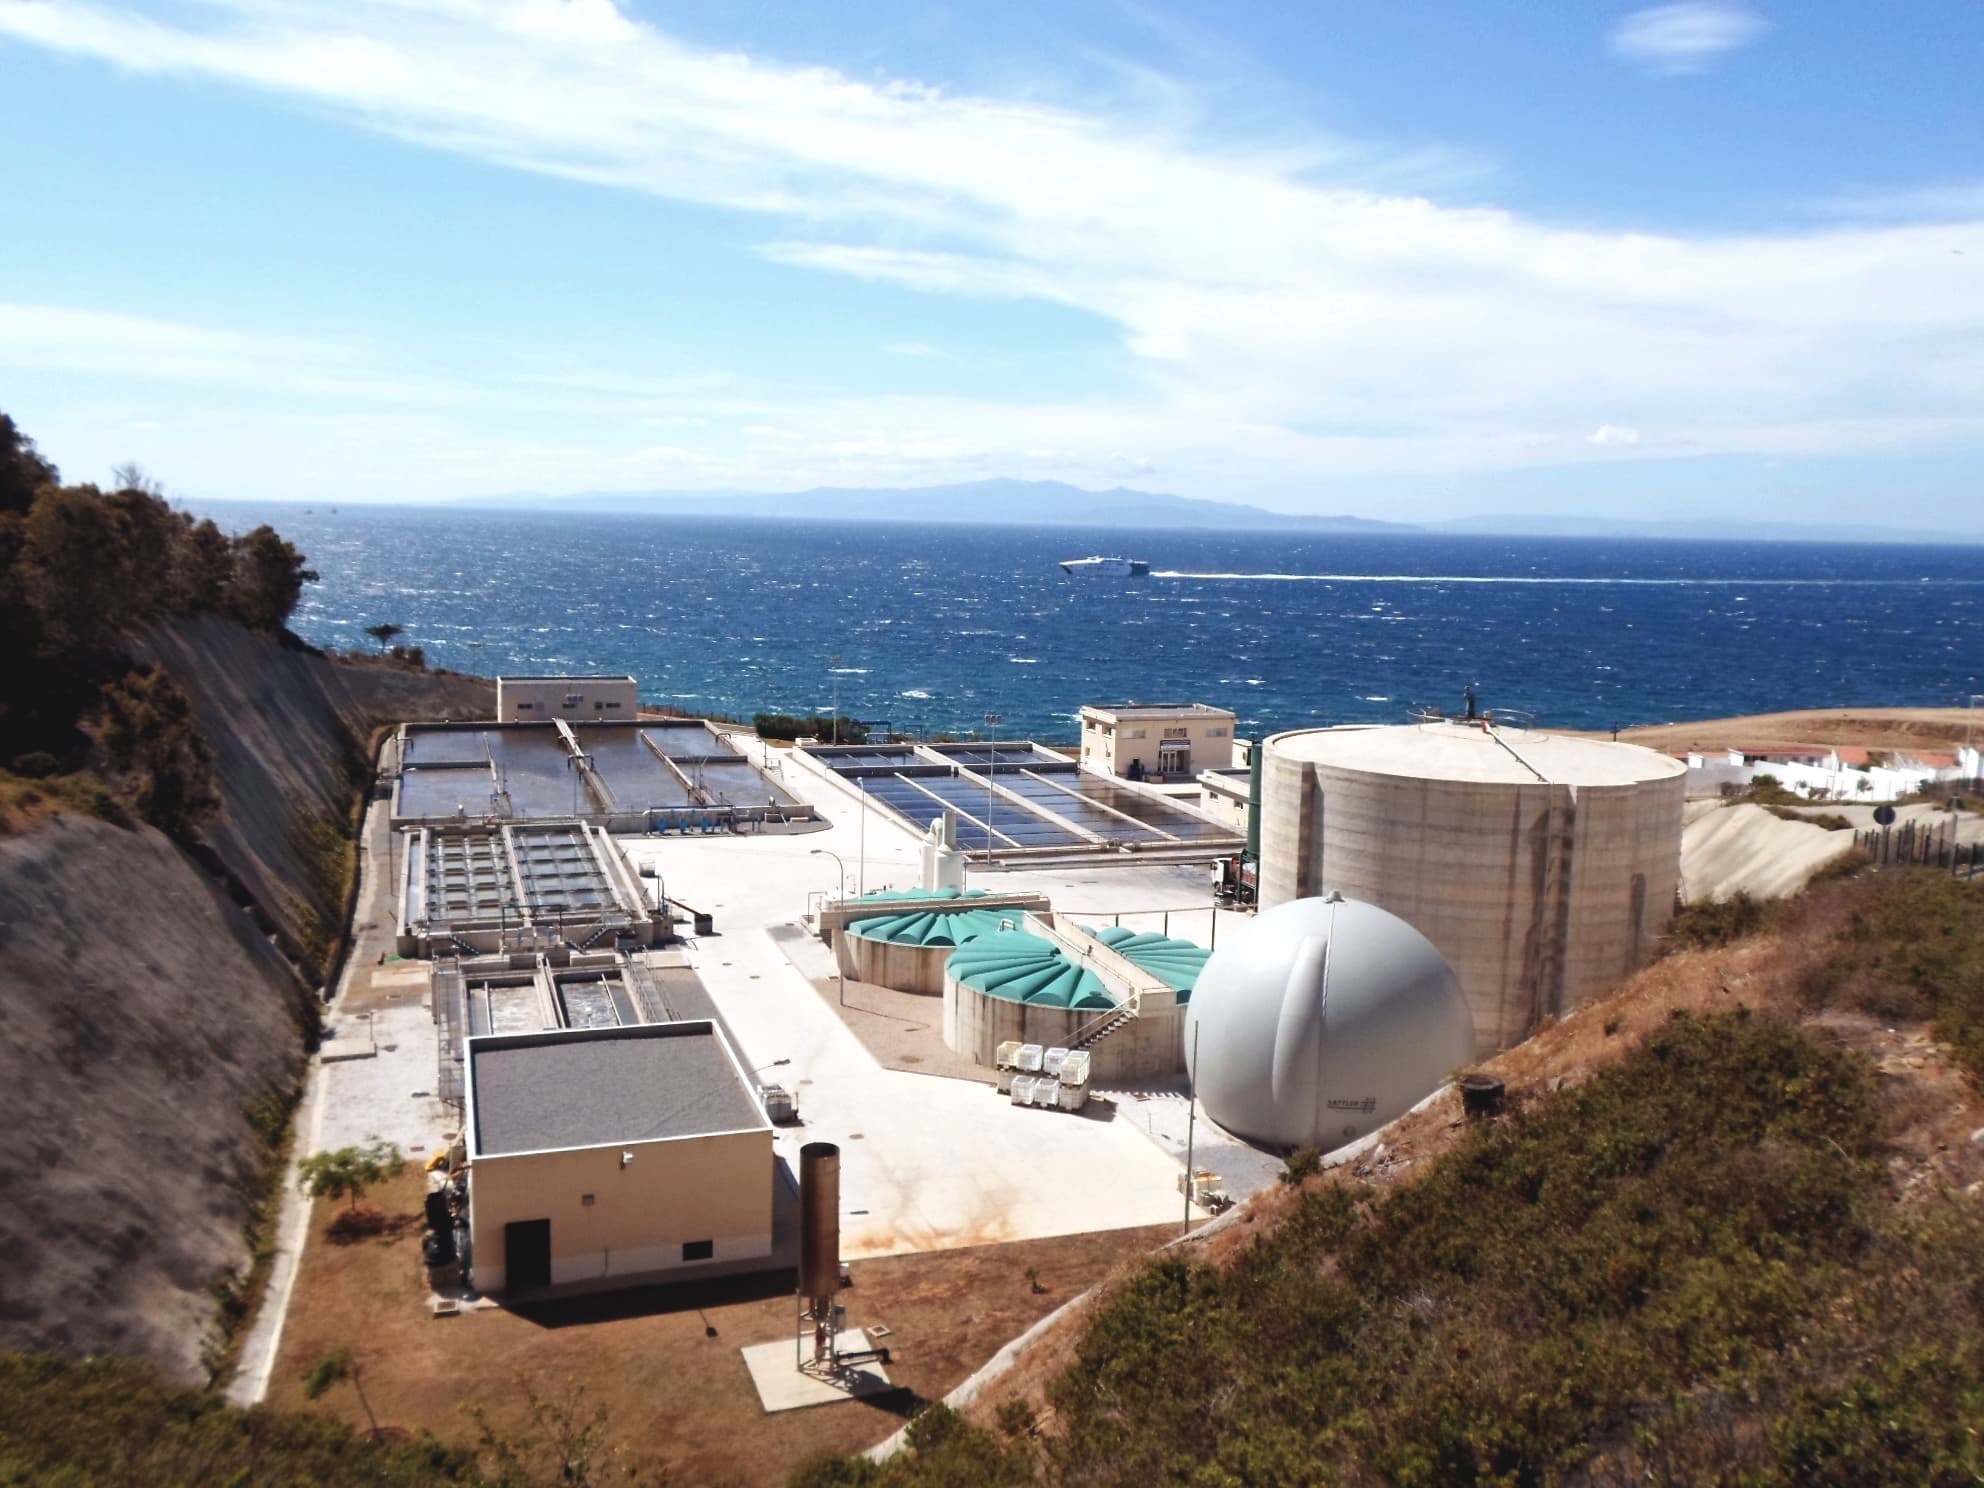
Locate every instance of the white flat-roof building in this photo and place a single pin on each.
(609, 1157)
(1156, 741)
(574, 699)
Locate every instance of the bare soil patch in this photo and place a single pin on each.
(664, 1362)
(1938, 729)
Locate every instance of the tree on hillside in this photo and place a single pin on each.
(269, 575)
(205, 559)
(131, 476)
(153, 752)
(71, 570)
(384, 632)
(23, 471)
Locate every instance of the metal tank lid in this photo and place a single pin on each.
(1476, 752)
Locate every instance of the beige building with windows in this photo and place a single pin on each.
(610, 1157)
(574, 699)
(1156, 741)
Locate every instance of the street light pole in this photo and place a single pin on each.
(829, 852)
(991, 764)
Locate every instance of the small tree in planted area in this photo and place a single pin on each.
(385, 632)
(349, 1172)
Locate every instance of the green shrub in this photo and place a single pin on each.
(1913, 946)
(1768, 790)
(95, 1423)
(786, 726)
(1832, 821)
(1303, 1162)
(1708, 923)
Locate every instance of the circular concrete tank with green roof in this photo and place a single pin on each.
(1015, 986)
(1177, 963)
(905, 942)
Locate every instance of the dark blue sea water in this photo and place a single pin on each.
(935, 626)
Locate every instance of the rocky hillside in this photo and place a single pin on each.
(292, 734)
(157, 1023)
(152, 1051)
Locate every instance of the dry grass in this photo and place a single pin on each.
(1937, 729)
(675, 1392)
(25, 801)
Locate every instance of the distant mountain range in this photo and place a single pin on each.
(1057, 504)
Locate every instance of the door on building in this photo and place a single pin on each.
(526, 1254)
(1174, 757)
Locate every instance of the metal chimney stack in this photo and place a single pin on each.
(819, 1243)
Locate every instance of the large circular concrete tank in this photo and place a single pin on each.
(1321, 1021)
(1542, 866)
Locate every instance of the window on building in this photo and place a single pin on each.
(572, 700)
(525, 707)
(698, 1250)
(599, 707)
(1216, 733)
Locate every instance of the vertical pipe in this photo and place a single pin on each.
(1254, 802)
(1191, 1124)
(819, 1239)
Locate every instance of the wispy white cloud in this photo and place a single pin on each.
(1261, 289)
(1684, 37)
(1949, 201)
(64, 338)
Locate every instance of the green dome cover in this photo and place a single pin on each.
(931, 927)
(1176, 963)
(1019, 967)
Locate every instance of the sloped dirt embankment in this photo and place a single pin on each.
(156, 1024)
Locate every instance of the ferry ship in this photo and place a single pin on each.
(1106, 568)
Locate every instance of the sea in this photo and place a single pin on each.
(946, 628)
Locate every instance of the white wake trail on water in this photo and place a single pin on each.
(1352, 578)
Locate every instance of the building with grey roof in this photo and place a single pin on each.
(613, 1156)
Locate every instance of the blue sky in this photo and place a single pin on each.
(1396, 260)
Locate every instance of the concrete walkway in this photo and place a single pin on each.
(386, 1094)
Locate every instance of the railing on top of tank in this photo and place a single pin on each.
(1086, 917)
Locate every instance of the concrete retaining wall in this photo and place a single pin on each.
(899, 967)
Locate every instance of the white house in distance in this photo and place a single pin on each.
(1156, 741)
(574, 699)
(1824, 772)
